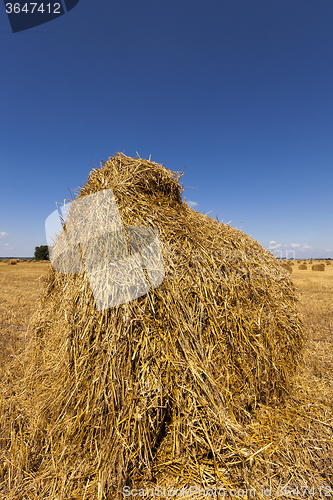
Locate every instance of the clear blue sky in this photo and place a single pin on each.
(238, 91)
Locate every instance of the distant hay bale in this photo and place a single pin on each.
(318, 267)
(328, 263)
(303, 267)
(116, 396)
(12, 262)
(287, 267)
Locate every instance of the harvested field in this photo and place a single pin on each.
(20, 289)
(190, 387)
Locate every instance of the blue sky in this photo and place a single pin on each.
(240, 92)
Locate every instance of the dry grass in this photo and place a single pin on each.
(191, 383)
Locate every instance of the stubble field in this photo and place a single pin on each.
(20, 287)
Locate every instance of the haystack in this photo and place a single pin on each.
(318, 267)
(328, 263)
(302, 267)
(12, 262)
(161, 384)
(287, 267)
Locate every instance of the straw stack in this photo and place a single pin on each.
(302, 267)
(287, 267)
(161, 384)
(12, 262)
(318, 267)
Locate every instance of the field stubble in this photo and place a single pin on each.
(20, 287)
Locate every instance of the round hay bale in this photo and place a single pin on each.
(12, 262)
(287, 267)
(163, 380)
(328, 263)
(318, 267)
(303, 267)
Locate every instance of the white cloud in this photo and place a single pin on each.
(328, 250)
(273, 245)
(295, 245)
(8, 246)
(192, 203)
(305, 246)
(3, 234)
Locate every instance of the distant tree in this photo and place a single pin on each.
(42, 253)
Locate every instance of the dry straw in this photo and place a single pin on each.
(318, 267)
(167, 385)
(303, 267)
